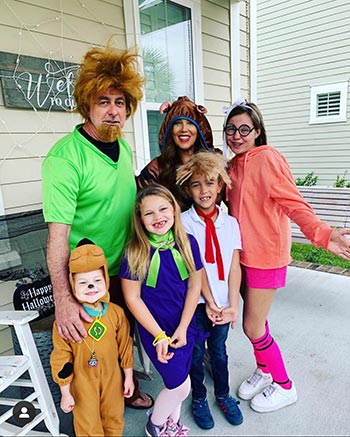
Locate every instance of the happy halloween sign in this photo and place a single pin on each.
(37, 296)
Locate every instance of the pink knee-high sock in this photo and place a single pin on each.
(269, 358)
(258, 357)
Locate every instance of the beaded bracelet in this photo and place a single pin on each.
(161, 337)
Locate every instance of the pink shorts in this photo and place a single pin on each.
(264, 278)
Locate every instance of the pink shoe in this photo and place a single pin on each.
(183, 430)
(175, 429)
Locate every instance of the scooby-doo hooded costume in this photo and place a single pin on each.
(182, 108)
(93, 367)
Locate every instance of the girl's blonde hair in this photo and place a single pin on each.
(138, 247)
(211, 165)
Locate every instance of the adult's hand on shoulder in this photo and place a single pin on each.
(339, 243)
(68, 314)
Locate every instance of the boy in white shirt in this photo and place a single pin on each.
(218, 236)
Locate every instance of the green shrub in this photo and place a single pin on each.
(341, 181)
(308, 181)
(317, 255)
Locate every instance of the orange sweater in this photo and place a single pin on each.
(263, 197)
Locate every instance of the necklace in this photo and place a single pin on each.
(92, 362)
(97, 329)
(96, 332)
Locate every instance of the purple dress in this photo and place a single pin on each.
(166, 302)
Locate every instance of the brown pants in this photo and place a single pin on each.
(116, 294)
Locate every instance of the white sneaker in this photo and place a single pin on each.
(273, 398)
(256, 383)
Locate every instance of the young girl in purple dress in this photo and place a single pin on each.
(161, 280)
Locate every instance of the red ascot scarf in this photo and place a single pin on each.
(211, 237)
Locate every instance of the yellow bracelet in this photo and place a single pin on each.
(161, 336)
(167, 339)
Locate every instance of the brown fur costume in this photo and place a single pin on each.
(97, 390)
(184, 107)
(162, 169)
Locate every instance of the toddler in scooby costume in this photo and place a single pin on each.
(89, 373)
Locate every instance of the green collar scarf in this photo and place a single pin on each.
(163, 242)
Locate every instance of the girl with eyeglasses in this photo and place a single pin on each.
(263, 197)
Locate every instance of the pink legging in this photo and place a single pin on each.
(269, 358)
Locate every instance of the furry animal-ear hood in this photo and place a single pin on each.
(183, 107)
(87, 258)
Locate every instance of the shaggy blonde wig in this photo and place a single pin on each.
(211, 165)
(104, 68)
(138, 247)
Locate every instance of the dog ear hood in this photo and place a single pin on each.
(184, 107)
(87, 258)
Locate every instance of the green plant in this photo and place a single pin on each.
(317, 255)
(341, 181)
(309, 180)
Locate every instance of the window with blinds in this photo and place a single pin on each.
(167, 51)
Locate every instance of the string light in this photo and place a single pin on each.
(32, 29)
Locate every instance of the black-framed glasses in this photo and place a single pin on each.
(244, 130)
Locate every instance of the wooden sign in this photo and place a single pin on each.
(37, 83)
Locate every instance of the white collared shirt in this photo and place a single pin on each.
(229, 237)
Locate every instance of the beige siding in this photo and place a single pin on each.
(42, 29)
(216, 61)
(300, 44)
(217, 58)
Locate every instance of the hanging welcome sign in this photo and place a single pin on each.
(37, 83)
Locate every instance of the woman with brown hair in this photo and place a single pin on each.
(184, 131)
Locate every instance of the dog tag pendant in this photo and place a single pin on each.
(93, 360)
(97, 330)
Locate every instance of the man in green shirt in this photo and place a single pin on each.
(89, 185)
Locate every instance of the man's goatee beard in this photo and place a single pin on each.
(109, 133)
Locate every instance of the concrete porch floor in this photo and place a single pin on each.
(310, 319)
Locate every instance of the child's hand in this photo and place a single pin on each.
(129, 387)
(229, 314)
(213, 312)
(179, 338)
(67, 403)
(163, 355)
